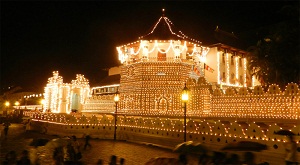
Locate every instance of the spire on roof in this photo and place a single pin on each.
(163, 12)
(217, 28)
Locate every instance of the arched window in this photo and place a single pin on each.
(161, 56)
(163, 105)
(75, 101)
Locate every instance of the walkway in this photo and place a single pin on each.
(134, 154)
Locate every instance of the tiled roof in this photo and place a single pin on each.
(226, 38)
(110, 80)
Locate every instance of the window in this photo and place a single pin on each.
(162, 56)
(112, 89)
(232, 60)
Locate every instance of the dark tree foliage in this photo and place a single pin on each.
(275, 59)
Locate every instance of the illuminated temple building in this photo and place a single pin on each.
(153, 72)
(155, 68)
(225, 103)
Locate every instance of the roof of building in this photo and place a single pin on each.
(226, 38)
(110, 80)
(164, 29)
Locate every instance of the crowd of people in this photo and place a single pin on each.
(61, 156)
(248, 158)
(11, 158)
(113, 161)
(69, 154)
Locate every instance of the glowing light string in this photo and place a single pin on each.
(167, 21)
(198, 52)
(236, 71)
(177, 48)
(245, 72)
(227, 69)
(170, 25)
(218, 67)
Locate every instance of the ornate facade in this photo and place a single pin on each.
(156, 67)
(64, 97)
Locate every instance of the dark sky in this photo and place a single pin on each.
(81, 37)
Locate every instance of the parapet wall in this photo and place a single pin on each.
(252, 115)
(257, 104)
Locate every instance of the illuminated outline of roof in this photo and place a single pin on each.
(164, 29)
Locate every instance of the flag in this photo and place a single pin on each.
(196, 70)
(206, 67)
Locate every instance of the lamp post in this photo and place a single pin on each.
(6, 105)
(43, 102)
(17, 104)
(116, 99)
(185, 98)
(25, 99)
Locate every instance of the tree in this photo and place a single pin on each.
(275, 59)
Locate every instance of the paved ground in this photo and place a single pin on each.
(134, 154)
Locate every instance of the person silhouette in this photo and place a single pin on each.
(76, 146)
(69, 154)
(233, 159)
(10, 158)
(24, 159)
(6, 127)
(122, 161)
(113, 160)
(183, 159)
(87, 141)
(290, 149)
(58, 155)
(249, 158)
(100, 162)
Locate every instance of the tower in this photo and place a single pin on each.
(155, 69)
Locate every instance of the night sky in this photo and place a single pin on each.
(81, 37)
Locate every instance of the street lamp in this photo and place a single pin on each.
(17, 104)
(7, 105)
(116, 99)
(25, 99)
(43, 102)
(185, 98)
